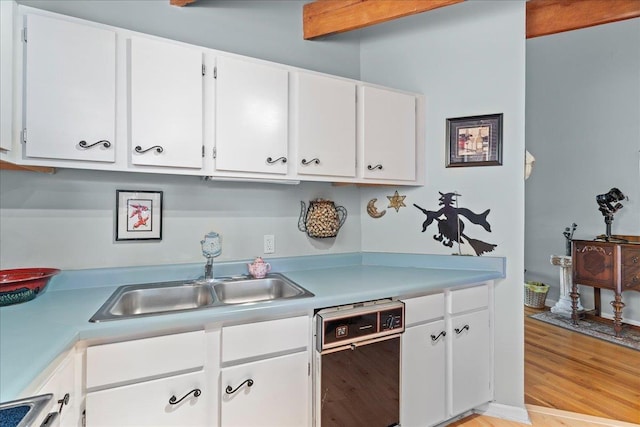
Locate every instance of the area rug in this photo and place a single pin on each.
(628, 337)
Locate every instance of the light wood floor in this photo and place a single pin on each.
(568, 374)
(544, 417)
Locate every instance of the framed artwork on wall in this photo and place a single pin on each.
(138, 215)
(474, 141)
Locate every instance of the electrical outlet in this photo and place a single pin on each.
(269, 243)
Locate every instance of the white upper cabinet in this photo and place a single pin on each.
(325, 125)
(70, 100)
(7, 11)
(387, 137)
(252, 110)
(166, 104)
(91, 96)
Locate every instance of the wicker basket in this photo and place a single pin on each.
(535, 294)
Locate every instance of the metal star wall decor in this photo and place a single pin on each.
(396, 201)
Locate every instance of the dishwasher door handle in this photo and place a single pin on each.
(355, 345)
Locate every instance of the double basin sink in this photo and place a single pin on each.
(131, 301)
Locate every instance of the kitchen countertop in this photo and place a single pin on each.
(34, 334)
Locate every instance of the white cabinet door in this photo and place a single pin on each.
(149, 403)
(470, 363)
(388, 134)
(325, 125)
(65, 395)
(422, 397)
(7, 12)
(278, 396)
(252, 111)
(70, 90)
(166, 104)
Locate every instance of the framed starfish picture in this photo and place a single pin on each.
(138, 215)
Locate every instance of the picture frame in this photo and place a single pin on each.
(474, 141)
(138, 215)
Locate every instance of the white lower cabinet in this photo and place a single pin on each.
(270, 392)
(265, 378)
(423, 352)
(470, 346)
(152, 403)
(66, 396)
(446, 355)
(158, 381)
(423, 360)
(470, 349)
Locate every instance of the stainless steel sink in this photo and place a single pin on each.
(152, 299)
(254, 290)
(155, 298)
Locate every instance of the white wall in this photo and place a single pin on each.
(67, 220)
(583, 127)
(468, 59)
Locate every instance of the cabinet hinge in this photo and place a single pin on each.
(308, 369)
(215, 152)
(203, 151)
(203, 70)
(24, 34)
(84, 418)
(215, 72)
(24, 135)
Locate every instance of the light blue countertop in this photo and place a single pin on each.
(33, 334)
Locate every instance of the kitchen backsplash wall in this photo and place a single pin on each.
(67, 220)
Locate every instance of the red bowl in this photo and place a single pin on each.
(23, 284)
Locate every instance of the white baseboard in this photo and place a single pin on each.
(505, 412)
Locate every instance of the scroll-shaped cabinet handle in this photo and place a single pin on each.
(86, 145)
(306, 162)
(230, 390)
(173, 400)
(459, 330)
(158, 149)
(437, 337)
(63, 401)
(279, 159)
(378, 166)
(634, 260)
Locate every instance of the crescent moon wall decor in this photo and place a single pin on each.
(373, 211)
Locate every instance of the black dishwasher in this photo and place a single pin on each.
(358, 364)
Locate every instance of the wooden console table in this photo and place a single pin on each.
(610, 265)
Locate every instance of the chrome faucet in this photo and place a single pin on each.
(208, 269)
(211, 248)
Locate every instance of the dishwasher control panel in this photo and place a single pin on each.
(340, 326)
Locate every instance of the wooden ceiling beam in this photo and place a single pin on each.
(546, 17)
(324, 17)
(181, 2)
